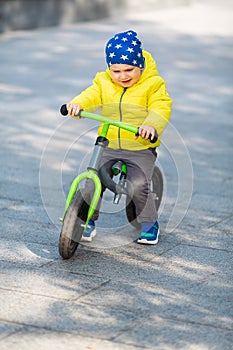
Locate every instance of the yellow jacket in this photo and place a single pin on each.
(144, 103)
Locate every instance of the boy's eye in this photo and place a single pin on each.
(127, 70)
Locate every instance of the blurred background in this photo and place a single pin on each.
(29, 14)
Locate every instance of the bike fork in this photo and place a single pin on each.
(92, 175)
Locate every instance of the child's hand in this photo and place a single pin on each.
(73, 109)
(146, 132)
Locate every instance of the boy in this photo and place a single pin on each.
(130, 90)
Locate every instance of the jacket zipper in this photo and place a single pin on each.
(120, 110)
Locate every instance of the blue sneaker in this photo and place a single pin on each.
(89, 232)
(149, 233)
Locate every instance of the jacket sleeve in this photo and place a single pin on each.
(159, 106)
(90, 98)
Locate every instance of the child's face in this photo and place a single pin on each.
(124, 74)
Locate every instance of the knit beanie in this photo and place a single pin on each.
(124, 48)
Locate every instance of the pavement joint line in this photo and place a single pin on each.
(16, 200)
(178, 320)
(35, 294)
(168, 250)
(26, 220)
(23, 324)
(47, 264)
(132, 282)
(11, 333)
(70, 300)
(26, 326)
(12, 199)
(196, 323)
(207, 247)
(196, 283)
(175, 245)
(220, 221)
(124, 330)
(139, 311)
(37, 203)
(86, 274)
(91, 290)
(52, 244)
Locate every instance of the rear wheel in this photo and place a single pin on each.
(157, 192)
(72, 228)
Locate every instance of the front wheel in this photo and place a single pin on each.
(72, 228)
(157, 192)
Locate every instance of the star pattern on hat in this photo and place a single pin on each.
(118, 46)
(130, 49)
(124, 57)
(125, 48)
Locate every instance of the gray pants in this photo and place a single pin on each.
(140, 165)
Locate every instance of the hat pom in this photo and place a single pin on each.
(124, 48)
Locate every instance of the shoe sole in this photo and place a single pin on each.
(145, 241)
(88, 239)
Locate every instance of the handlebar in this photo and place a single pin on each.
(106, 120)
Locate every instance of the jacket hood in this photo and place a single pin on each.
(150, 66)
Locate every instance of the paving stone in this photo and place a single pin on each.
(16, 252)
(161, 333)
(40, 339)
(8, 329)
(41, 282)
(63, 316)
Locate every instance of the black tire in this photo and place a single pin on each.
(157, 191)
(72, 229)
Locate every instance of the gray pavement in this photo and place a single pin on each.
(115, 294)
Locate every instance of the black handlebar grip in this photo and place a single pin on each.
(155, 138)
(63, 110)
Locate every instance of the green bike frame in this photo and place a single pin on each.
(92, 170)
